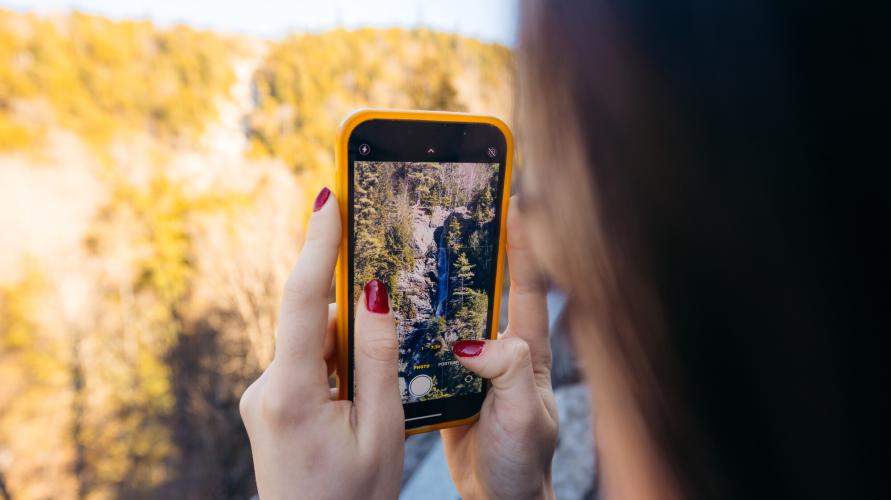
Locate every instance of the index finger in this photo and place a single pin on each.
(303, 318)
(527, 312)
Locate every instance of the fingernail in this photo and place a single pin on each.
(468, 348)
(321, 198)
(376, 299)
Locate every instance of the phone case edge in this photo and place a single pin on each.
(349, 123)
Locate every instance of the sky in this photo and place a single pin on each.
(490, 20)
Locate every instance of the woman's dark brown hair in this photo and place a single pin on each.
(711, 171)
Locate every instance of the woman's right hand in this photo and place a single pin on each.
(305, 444)
(507, 452)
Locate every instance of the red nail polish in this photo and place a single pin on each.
(468, 348)
(321, 198)
(376, 298)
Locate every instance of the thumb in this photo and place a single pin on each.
(377, 399)
(506, 362)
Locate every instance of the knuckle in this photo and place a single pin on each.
(380, 348)
(246, 402)
(518, 351)
(276, 401)
(277, 410)
(324, 238)
(296, 292)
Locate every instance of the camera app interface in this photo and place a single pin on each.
(428, 230)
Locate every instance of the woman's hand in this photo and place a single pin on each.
(507, 452)
(304, 443)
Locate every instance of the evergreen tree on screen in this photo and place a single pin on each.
(486, 202)
(369, 230)
(453, 237)
(420, 181)
(464, 275)
(484, 208)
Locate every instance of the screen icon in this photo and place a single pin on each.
(431, 151)
(364, 149)
(492, 151)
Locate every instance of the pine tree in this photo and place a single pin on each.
(486, 199)
(479, 215)
(475, 242)
(370, 243)
(486, 203)
(483, 211)
(463, 273)
(471, 317)
(421, 185)
(454, 234)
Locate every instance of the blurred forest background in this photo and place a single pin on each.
(154, 187)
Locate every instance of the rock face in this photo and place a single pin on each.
(418, 285)
(415, 283)
(424, 226)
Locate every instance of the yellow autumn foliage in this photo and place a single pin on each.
(122, 365)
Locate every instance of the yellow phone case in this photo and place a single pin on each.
(340, 156)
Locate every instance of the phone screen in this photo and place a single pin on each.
(425, 229)
(429, 229)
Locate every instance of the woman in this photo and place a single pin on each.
(697, 187)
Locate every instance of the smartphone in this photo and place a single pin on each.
(424, 200)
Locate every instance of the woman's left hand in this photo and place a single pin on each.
(507, 452)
